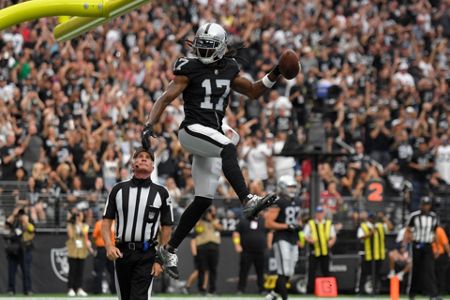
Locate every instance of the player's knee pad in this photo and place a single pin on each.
(229, 152)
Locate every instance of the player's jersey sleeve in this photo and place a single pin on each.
(184, 66)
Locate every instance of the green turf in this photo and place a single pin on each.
(194, 296)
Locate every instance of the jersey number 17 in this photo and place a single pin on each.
(218, 83)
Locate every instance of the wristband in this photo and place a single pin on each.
(267, 82)
(236, 240)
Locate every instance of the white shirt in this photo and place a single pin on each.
(284, 165)
(361, 232)
(404, 78)
(257, 161)
(7, 92)
(443, 162)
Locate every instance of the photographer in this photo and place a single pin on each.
(78, 248)
(208, 241)
(18, 249)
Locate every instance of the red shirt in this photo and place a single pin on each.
(330, 201)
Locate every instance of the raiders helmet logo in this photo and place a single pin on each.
(60, 263)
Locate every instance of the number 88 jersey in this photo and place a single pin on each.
(289, 214)
(206, 96)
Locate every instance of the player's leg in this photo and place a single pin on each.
(207, 142)
(206, 173)
(284, 259)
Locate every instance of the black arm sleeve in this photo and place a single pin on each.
(167, 218)
(110, 208)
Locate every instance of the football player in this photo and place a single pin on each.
(205, 81)
(283, 219)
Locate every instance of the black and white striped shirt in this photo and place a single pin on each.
(423, 226)
(138, 206)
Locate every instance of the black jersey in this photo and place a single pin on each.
(289, 214)
(206, 96)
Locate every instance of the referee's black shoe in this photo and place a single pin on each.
(255, 204)
(170, 262)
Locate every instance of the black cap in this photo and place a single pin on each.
(142, 149)
(425, 200)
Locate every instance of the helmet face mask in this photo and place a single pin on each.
(210, 43)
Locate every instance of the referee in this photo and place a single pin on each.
(139, 206)
(422, 226)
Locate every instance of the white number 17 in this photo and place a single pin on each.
(206, 84)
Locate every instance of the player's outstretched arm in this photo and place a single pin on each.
(255, 89)
(175, 88)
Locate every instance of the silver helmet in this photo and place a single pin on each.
(210, 43)
(287, 186)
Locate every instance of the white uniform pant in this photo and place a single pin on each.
(206, 144)
(286, 256)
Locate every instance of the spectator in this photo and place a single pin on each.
(422, 164)
(78, 248)
(256, 156)
(443, 159)
(110, 166)
(399, 258)
(331, 199)
(33, 147)
(101, 262)
(441, 250)
(10, 157)
(19, 249)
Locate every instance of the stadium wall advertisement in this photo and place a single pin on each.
(50, 268)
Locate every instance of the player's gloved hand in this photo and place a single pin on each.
(293, 227)
(147, 132)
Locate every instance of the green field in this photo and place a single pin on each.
(178, 297)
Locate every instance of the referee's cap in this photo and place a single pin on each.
(142, 149)
(425, 200)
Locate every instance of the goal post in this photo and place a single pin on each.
(78, 25)
(35, 9)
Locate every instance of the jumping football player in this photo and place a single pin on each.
(205, 82)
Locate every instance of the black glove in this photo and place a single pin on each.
(147, 132)
(293, 228)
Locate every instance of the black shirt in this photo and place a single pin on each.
(138, 206)
(422, 159)
(289, 213)
(8, 169)
(253, 235)
(206, 96)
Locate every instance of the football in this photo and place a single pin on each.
(289, 64)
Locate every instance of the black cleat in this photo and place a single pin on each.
(255, 204)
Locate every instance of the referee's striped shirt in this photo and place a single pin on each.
(138, 206)
(423, 226)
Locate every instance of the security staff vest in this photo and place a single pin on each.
(321, 234)
(374, 245)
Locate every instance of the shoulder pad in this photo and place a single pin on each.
(184, 66)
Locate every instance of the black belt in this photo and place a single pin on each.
(419, 245)
(133, 246)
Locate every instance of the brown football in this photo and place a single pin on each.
(289, 64)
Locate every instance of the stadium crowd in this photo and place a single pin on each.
(71, 113)
(377, 71)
